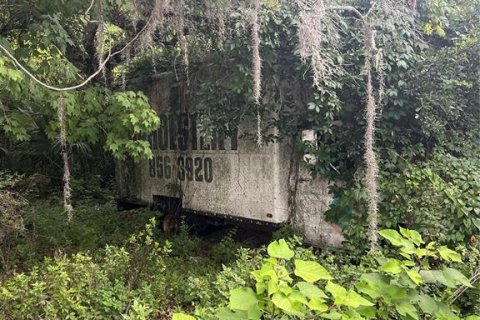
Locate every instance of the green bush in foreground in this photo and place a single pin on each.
(414, 284)
(121, 284)
(144, 279)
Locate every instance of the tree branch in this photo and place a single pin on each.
(354, 10)
(347, 8)
(90, 78)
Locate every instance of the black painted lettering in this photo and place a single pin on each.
(181, 168)
(208, 169)
(189, 168)
(182, 131)
(198, 169)
(168, 168)
(151, 168)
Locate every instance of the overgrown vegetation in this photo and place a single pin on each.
(139, 279)
(408, 160)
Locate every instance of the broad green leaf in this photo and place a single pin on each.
(297, 296)
(182, 316)
(427, 304)
(368, 312)
(420, 252)
(243, 299)
(285, 289)
(281, 301)
(406, 308)
(331, 315)
(352, 315)
(317, 305)
(431, 245)
(311, 271)
(476, 222)
(260, 287)
(337, 291)
(412, 235)
(393, 266)
(395, 291)
(279, 249)
(415, 276)
(449, 255)
(283, 273)
(408, 263)
(355, 300)
(473, 317)
(227, 314)
(436, 276)
(372, 284)
(393, 236)
(311, 291)
(272, 286)
(456, 277)
(267, 271)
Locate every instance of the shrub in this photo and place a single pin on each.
(12, 207)
(226, 249)
(439, 198)
(118, 284)
(47, 230)
(414, 283)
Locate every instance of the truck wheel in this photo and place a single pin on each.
(170, 224)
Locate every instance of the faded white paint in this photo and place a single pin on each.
(251, 182)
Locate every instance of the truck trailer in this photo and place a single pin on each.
(225, 175)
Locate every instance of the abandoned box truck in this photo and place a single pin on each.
(224, 175)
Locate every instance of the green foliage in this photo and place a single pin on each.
(408, 285)
(185, 245)
(95, 114)
(12, 205)
(132, 279)
(439, 198)
(226, 249)
(45, 231)
(85, 287)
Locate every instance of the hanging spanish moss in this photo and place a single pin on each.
(371, 166)
(316, 28)
(126, 57)
(256, 60)
(380, 69)
(134, 15)
(67, 192)
(100, 35)
(186, 63)
(178, 21)
(257, 66)
(152, 58)
(217, 12)
(155, 21)
(259, 128)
